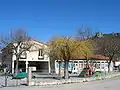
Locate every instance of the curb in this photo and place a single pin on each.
(69, 81)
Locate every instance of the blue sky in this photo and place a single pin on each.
(46, 18)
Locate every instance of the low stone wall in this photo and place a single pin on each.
(44, 82)
(109, 75)
(56, 82)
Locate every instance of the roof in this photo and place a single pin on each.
(39, 42)
(99, 57)
(30, 40)
(94, 57)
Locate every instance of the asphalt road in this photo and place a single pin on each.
(111, 84)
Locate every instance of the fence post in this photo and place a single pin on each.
(29, 77)
(5, 79)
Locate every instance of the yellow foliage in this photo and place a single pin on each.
(66, 48)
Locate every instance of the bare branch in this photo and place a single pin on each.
(18, 42)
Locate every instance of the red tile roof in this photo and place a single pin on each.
(97, 57)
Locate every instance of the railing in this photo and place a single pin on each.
(6, 80)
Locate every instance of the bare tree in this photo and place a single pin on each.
(16, 44)
(108, 46)
(86, 34)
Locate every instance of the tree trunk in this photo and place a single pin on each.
(87, 63)
(59, 68)
(16, 68)
(113, 65)
(66, 74)
(109, 63)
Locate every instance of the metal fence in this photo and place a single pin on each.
(6, 80)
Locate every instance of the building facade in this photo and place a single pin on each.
(35, 58)
(76, 66)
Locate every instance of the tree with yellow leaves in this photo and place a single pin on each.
(67, 48)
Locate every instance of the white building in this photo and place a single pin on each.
(35, 58)
(99, 63)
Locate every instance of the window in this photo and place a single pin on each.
(75, 61)
(40, 54)
(102, 66)
(74, 68)
(82, 65)
(97, 66)
(79, 65)
(80, 61)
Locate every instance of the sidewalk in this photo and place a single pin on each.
(50, 81)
